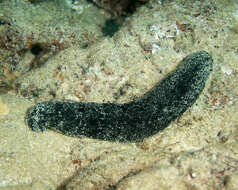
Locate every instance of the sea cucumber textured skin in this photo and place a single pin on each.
(132, 121)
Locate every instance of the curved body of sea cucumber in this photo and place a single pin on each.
(132, 121)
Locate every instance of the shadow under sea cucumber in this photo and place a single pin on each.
(132, 121)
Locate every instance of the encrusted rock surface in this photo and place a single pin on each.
(119, 7)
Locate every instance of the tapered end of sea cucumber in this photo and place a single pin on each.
(38, 116)
(200, 60)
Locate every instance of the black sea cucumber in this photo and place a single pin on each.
(132, 121)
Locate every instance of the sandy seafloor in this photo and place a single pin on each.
(77, 62)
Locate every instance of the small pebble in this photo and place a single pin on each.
(226, 70)
(4, 110)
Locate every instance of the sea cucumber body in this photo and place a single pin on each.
(132, 121)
